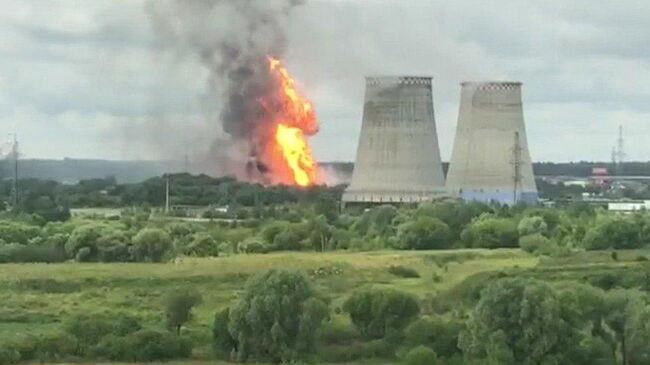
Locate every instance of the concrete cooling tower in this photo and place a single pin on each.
(490, 159)
(398, 158)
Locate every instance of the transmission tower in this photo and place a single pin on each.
(620, 152)
(516, 164)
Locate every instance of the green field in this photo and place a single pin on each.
(37, 297)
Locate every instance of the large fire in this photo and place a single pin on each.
(291, 161)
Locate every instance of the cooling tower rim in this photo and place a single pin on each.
(399, 80)
(491, 85)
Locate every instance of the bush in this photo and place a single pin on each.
(85, 236)
(403, 272)
(491, 232)
(124, 325)
(8, 355)
(532, 225)
(538, 244)
(16, 253)
(618, 233)
(337, 334)
(420, 355)
(55, 347)
(435, 333)
(88, 330)
(375, 312)
(424, 233)
(151, 244)
(277, 317)
(252, 246)
(148, 345)
(202, 245)
(224, 343)
(178, 307)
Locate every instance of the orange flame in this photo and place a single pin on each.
(296, 120)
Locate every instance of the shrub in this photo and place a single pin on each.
(619, 233)
(113, 246)
(55, 347)
(337, 334)
(178, 307)
(424, 233)
(252, 246)
(151, 244)
(420, 355)
(85, 236)
(403, 272)
(14, 232)
(375, 312)
(435, 333)
(88, 330)
(532, 225)
(150, 345)
(202, 245)
(16, 253)
(536, 243)
(223, 341)
(490, 232)
(8, 355)
(124, 325)
(277, 317)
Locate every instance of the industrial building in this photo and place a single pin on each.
(490, 160)
(398, 157)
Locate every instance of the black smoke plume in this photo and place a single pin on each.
(232, 40)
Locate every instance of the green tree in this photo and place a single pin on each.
(224, 343)
(520, 321)
(628, 319)
(150, 244)
(436, 333)
(277, 318)
(376, 312)
(113, 246)
(84, 237)
(202, 245)
(532, 225)
(613, 232)
(491, 232)
(424, 233)
(420, 355)
(178, 307)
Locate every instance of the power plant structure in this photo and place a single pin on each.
(490, 160)
(398, 157)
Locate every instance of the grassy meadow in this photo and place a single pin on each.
(37, 297)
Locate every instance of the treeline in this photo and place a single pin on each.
(51, 200)
(281, 317)
(137, 236)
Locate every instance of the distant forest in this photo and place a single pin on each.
(125, 172)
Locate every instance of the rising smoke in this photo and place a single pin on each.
(232, 40)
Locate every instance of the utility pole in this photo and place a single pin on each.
(516, 163)
(14, 152)
(167, 178)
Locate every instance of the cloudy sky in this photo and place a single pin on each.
(90, 79)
